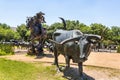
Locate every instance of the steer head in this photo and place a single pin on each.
(84, 42)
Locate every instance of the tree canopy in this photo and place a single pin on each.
(111, 34)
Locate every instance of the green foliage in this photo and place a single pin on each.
(71, 24)
(4, 26)
(118, 49)
(23, 32)
(115, 31)
(6, 34)
(16, 36)
(9, 34)
(97, 28)
(108, 42)
(6, 49)
(56, 26)
(45, 26)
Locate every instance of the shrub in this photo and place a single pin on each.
(118, 49)
(6, 49)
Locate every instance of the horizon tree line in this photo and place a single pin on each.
(111, 34)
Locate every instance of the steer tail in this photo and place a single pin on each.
(64, 23)
(55, 42)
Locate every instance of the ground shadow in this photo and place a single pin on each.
(73, 74)
(49, 55)
(44, 55)
(20, 52)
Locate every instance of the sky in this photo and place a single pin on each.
(106, 12)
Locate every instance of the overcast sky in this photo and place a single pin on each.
(106, 12)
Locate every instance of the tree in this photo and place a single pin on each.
(16, 36)
(4, 26)
(22, 30)
(97, 28)
(7, 34)
(115, 31)
(70, 24)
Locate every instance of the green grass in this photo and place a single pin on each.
(15, 70)
(48, 72)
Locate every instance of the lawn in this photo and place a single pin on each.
(15, 70)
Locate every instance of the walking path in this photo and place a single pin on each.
(101, 59)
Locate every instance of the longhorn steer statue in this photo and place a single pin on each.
(73, 45)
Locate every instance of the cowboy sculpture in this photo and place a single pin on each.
(39, 19)
(38, 33)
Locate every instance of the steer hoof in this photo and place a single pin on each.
(58, 70)
(63, 68)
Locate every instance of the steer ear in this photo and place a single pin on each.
(93, 38)
(70, 39)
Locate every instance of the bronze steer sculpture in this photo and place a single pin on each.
(73, 45)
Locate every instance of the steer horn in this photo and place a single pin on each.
(65, 41)
(93, 38)
(70, 39)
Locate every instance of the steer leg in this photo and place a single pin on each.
(67, 61)
(80, 64)
(56, 60)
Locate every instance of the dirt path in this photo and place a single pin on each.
(101, 59)
(96, 59)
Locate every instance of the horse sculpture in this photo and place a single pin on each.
(37, 34)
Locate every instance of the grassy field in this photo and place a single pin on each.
(15, 70)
